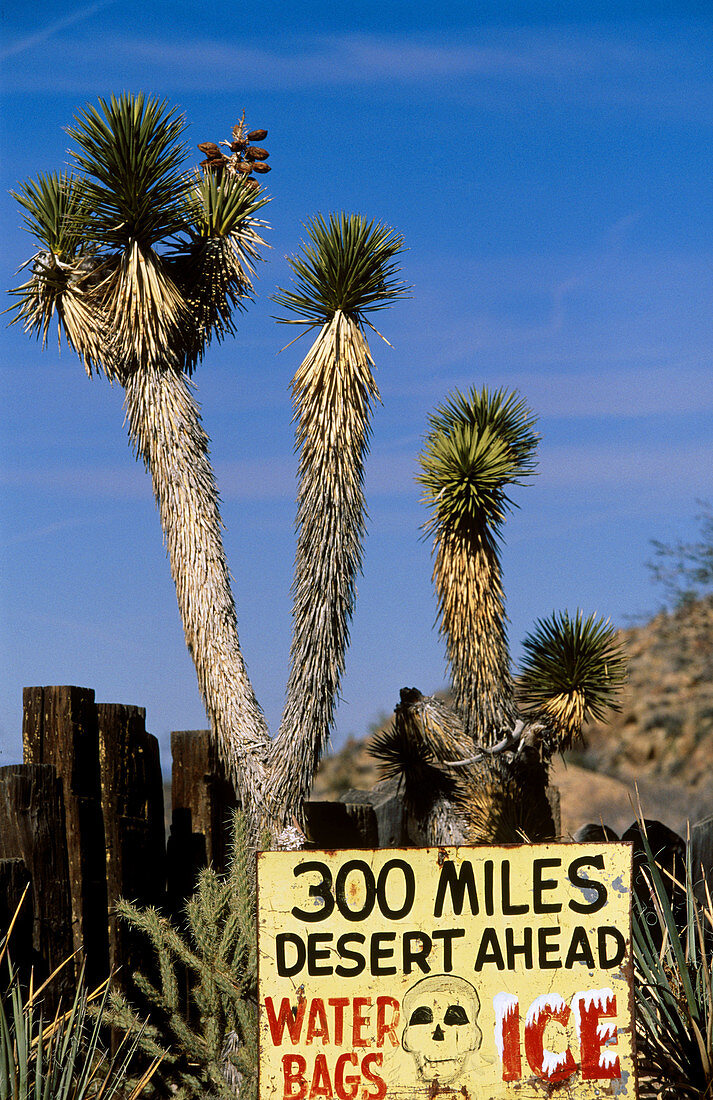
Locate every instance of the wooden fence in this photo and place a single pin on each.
(82, 821)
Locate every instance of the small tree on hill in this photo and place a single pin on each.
(685, 569)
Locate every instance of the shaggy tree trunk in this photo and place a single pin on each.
(332, 393)
(166, 430)
(472, 607)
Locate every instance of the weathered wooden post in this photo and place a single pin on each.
(14, 878)
(202, 802)
(132, 804)
(32, 829)
(60, 728)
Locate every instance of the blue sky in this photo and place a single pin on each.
(549, 167)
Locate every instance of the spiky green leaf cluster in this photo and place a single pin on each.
(478, 443)
(131, 155)
(56, 210)
(220, 206)
(213, 265)
(140, 263)
(348, 266)
(62, 1058)
(567, 657)
(674, 984)
(399, 753)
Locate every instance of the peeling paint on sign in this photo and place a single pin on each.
(411, 973)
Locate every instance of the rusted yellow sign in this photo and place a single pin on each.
(487, 972)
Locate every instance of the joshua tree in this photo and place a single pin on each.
(143, 265)
(479, 772)
(478, 444)
(460, 791)
(347, 271)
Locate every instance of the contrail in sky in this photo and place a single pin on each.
(54, 28)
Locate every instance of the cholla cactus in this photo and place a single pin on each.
(203, 1007)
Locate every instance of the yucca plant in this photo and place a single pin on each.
(674, 990)
(346, 271)
(143, 264)
(479, 443)
(61, 1057)
(573, 670)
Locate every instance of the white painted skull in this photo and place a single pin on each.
(441, 1031)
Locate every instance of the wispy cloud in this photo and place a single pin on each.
(601, 467)
(593, 66)
(35, 534)
(112, 483)
(22, 45)
(615, 330)
(650, 390)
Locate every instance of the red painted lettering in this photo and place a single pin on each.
(360, 1021)
(287, 1018)
(507, 1034)
(547, 1064)
(321, 1084)
(338, 1004)
(386, 1027)
(293, 1072)
(374, 1078)
(347, 1087)
(598, 1062)
(317, 1022)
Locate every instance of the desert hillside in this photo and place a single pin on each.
(661, 740)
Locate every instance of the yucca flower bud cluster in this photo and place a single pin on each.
(245, 158)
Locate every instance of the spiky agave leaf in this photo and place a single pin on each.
(574, 669)
(349, 269)
(63, 1058)
(64, 274)
(477, 445)
(674, 982)
(214, 264)
(131, 155)
(350, 266)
